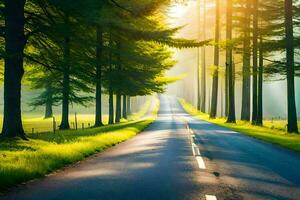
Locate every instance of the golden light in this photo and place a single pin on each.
(177, 10)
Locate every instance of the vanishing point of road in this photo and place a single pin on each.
(177, 157)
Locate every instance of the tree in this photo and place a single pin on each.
(273, 42)
(229, 65)
(246, 94)
(198, 57)
(255, 61)
(259, 120)
(214, 98)
(290, 65)
(125, 111)
(99, 57)
(15, 41)
(49, 85)
(203, 63)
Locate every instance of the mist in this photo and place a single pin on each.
(274, 90)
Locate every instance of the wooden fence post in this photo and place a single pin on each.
(54, 125)
(75, 121)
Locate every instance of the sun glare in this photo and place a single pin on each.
(177, 10)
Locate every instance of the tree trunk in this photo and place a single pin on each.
(259, 120)
(198, 81)
(13, 68)
(246, 94)
(49, 102)
(66, 86)
(214, 96)
(128, 106)
(226, 88)
(110, 87)
(198, 57)
(118, 107)
(255, 63)
(229, 63)
(124, 107)
(290, 65)
(203, 63)
(98, 114)
(111, 106)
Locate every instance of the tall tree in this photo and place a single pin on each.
(255, 61)
(198, 56)
(66, 85)
(203, 61)
(110, 86)
(15, 41)
(118, 92)
(290, 67)
(99, 57)
(229, 65)
(246, 94)
(259, 120)
(214, 97)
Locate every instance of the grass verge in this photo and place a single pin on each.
(21, 161)
(273, 131)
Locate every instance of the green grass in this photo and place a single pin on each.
(46, 125)
(21, 160)
(41, 125)
(272, 131)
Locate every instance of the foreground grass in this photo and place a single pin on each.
(21, 160)
(273, 131)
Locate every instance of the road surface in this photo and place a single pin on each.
(177, 157)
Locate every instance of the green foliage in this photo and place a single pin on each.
(134, 48)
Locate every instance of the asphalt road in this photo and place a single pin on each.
(177, 157)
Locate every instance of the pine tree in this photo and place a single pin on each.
(245, 112)
(214, 99)
(229, 65)
(290, 65)
(203, 62)
(15, 41)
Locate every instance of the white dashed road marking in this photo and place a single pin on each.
(200, 162)
(197, 154)
(210, 197)
(197, 151)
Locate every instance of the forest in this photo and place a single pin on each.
(253, 44)
(123, 54)
(85, 52)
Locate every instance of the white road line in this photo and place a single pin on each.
(197, 151)
(210, 197)
(194, 153)
(192, 140)
(201, 163)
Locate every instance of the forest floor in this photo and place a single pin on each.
(44, 153)
(273, 131)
